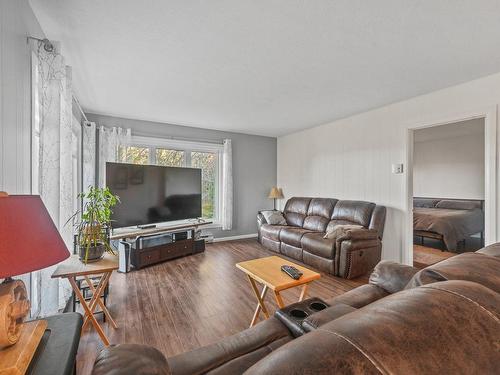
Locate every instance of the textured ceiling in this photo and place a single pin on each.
(267, 67)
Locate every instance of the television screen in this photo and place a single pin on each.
(153, 194)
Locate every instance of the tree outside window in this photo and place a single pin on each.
(207, 162)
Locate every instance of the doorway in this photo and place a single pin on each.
(448, 190)
(488, 118)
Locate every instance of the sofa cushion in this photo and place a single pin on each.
(274, 217)
(271, 231)
(319, 213)
(480, 268)
(359, 297)
(353, 212)
(314, 243)
(296, 211)
(292, 236)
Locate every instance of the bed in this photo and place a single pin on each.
(448, 220)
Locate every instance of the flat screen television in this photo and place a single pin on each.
(153, 194)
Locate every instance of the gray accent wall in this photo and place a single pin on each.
(254, 165)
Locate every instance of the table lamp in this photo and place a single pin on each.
(275, 193)
(29, 241)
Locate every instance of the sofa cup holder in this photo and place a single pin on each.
(318, 306)
(298, 314)
(293, 315)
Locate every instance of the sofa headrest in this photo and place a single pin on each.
(480, 268)
(296, 210)
(404, 333)
(357, 212)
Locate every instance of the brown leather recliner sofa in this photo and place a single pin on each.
(444, 319)
(351, 255)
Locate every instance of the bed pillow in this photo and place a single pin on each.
(425, 202)
(338, 230)
(274, 217)
(458, 205)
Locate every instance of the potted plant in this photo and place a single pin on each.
(92, 224)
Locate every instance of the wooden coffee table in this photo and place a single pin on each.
(267, 271)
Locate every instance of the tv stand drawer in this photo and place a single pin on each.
(149, 257)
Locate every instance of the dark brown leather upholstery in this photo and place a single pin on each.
(444, 327)
(354, 212)
(392, 276)
(292, 236)
(477, 267)
(272, 231)
(314, 243)
(491, 250)
(360, 296)
(296, 210)
(233, 354)
(319, 213)
(309, 218)
(130, 359)
(326, 316)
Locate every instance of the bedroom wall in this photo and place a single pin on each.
(254, 165)
(351, 158)
(449, 161)
(17, 21)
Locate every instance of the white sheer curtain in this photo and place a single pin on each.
(110, 139)
(227, 186)
(53, 169)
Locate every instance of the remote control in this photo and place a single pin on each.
(291, 271)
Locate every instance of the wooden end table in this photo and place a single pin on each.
(72, 268)
(267, 271)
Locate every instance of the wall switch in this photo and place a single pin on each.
(397, 168)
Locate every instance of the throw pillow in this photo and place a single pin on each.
(274, 217)
(340, 229)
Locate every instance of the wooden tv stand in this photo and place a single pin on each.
(156, 245)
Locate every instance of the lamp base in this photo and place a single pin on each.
(15, 359)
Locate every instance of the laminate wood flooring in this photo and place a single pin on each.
(190, 302)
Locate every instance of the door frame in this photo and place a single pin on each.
(489, 114)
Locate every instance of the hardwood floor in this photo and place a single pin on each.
(434, 251)
(425, 256)
(190, 302)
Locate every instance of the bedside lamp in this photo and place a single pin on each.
(29, 241)
(275, 193)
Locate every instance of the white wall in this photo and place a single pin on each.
(17, 21)
(351, 158)
(448, 161)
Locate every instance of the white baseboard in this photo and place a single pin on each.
(232, 238)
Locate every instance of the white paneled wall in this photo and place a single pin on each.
(17, 21)
(351, 158)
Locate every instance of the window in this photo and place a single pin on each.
(133, 155)
(170, 158)
(173, 153)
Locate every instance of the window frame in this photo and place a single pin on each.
(187, 147)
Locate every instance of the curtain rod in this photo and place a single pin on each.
(79, 107)
(203, 140)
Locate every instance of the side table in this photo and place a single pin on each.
(72, 268)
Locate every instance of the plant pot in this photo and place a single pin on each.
(94, 253)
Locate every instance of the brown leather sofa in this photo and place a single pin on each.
(444, 319)
(349, 256)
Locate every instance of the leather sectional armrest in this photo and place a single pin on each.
(130, 359)
(316, 320)
(392, 276)
(359, 234)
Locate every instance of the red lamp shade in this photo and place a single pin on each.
(29, 240)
